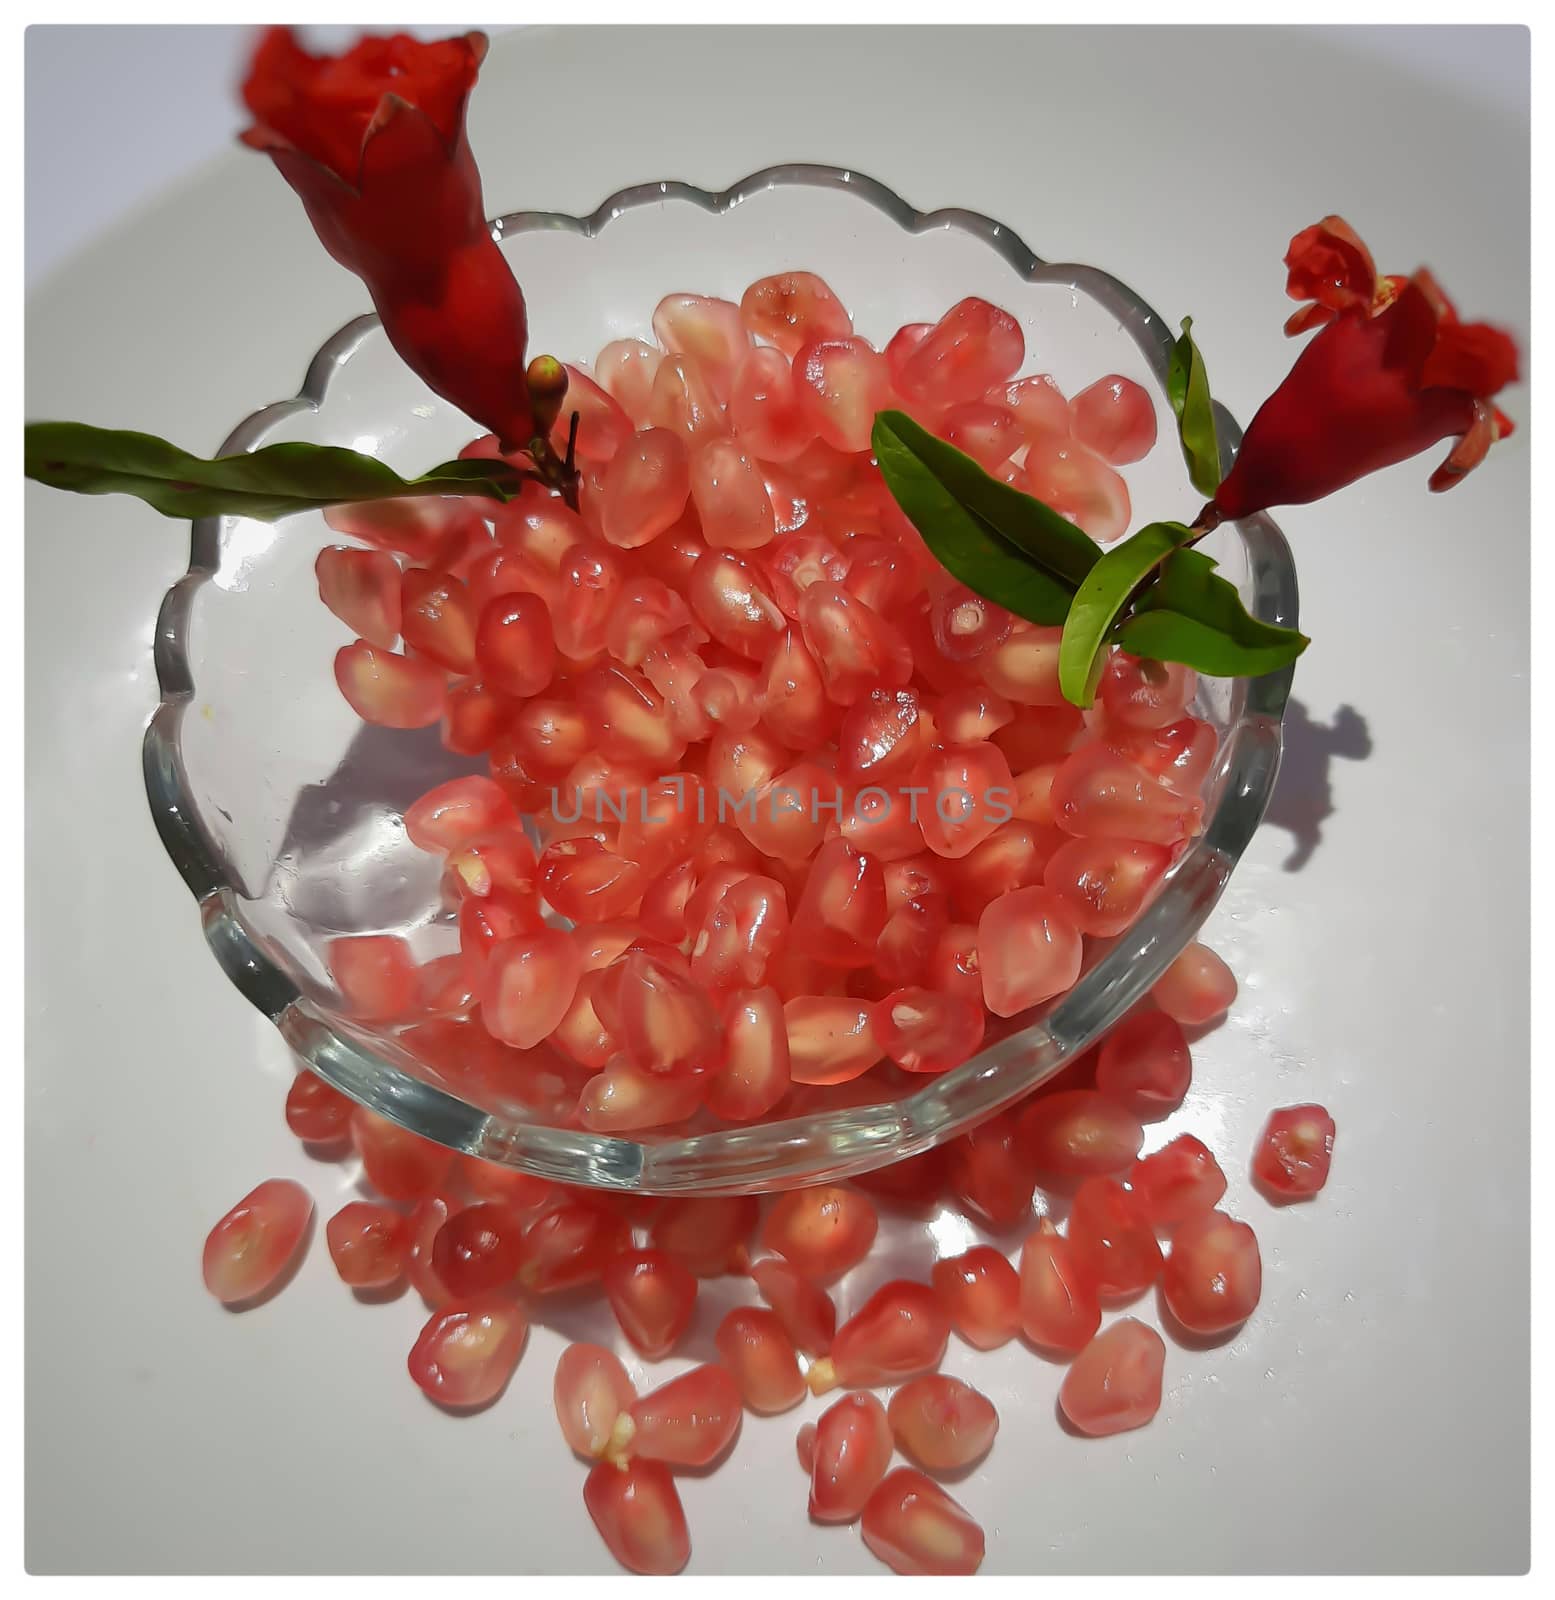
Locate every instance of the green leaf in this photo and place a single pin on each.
(1187, 387)
(1106, 592)
(265, 484)
(1194, 616)
(1061, 549)
(964, 544)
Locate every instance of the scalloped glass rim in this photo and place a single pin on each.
(823, 1145)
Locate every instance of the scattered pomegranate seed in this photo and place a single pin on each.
(316, 1112)
(942, 1423)
(1178, 1181)
(250, 1249)
(1059, 1309)
(376, 974)
(821, 1232)
(653, 1297)
(1213, 1276)
(368, 1244)
(1112, 1238)
(989, 1174)
(591, 1392)
(425, 1223)
(1292, 1158)
(980, 1292)
(804, 1446)
(1145, 1064)
(570, 1246)
(688, 1422)
(1115, 417)
(1078, 1133)
(478, 1248)
(639, 1516)
(1196, 988)
(468, 1350)
(709, 1235)
(852, 1449)
(805, 1310)
(754, 1345)
(901, 1330)
(1115, 1381)
(915, 1528)
(399, 1164)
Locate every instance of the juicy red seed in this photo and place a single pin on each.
(467, 1351)
(942, 1423)
(368, 1244)
(1293, 1156)
(1177, 1181)
(399, 1164)
(901, 1330)
(1214, 1274)
(478, 1249)
(1196, 988)
(821, 1232)
(590, 1391)
(1112, 1238)
(316, 1112)
(708, 1235)
(1078, 1133)
(805, 1310)
(1115, 1381)
(653, 1297)
(571, 1246)
(376, 974)
(1144, 1064)
(804, 1446)
(852, 1450)
(689, 1421)
(989, 1174)
(754, 1345)
(916, 1529)
(1058, 1305)
(639, 1516)
(980, 1292)
(247, 1252)
(426, 1222)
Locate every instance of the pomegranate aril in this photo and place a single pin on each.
(1213, 1274)
(967, 626)
(1144, 1064)
(852, 1450)
(987, 433)
(522, 1193)
(639, 1516)
(1143, 696)
(388, 689)
(587, 881)
(1180, 1180)
(685, 402)
(475, 717)
(514, 647)
(856, 649)
(590, 1392)
(755, 1074)
(1078, 485)
(1023, 666)
(548, 734)
(764, 409)
(687, 1422)
(624, 369)
(468, 1350)
(987, 1172)
(603, 426)
(489, 920)
(1013, 856)
(316, 1112)
(437, 618)
(570, 1246)
(1078, 1133)
(804, 1309)
(821, 1232)
(740, 933)
(1105, 883)
(923, 1031)
(430, 529)
(362, 588)
(954, 966)
(368, 1244)
(621, 1099)
(528, 985)
(942, 1423)
(1293, 1154)
(457, 813)
(1059, 1309)
(1099, 794)
(653, 1297)
(842, 910)
(500, 862)
(916, 1529)
(399, 1164)
(900, 1331)
(754, 1345)
(708, 1234)
(968, 790)
(250, 1249)
(1115, 1381)
(1112, 1238)
(478, 1249)
(842, 384)
(1115, 417)
(971, 348)
(709, 330)
(1028, 950)
(663, 1021)
(791, 309)
(830, 1039)
(730, 497)
(804, 1447)
(588, 586)
(730, 601)
(1197, 988)
(980, 1292)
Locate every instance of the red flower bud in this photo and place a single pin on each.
(1392, 372)
(374, 144)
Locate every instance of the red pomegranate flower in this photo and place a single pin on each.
(1392, 371)
(374, 143)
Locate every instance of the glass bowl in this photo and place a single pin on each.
(284, 813)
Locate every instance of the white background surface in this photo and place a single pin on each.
(1373, 1415)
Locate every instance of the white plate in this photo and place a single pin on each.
(1373, 1415)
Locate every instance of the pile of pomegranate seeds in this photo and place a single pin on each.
(486, 1248)
(801, 807)
(741, 610)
